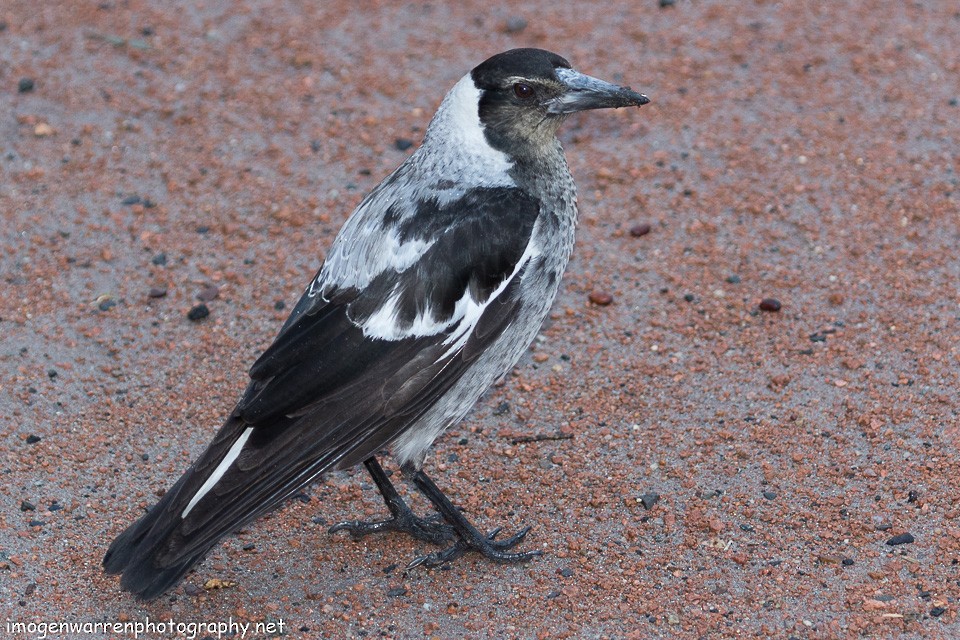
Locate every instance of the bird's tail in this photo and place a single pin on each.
(229, 485)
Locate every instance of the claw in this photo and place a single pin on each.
(490, 548)
(359, 528)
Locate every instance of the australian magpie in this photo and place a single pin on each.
(431, 292)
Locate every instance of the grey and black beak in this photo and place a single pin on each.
(585, 92)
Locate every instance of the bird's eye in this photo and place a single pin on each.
(523, 91)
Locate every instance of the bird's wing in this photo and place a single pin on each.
(350, 371)
(416, 314)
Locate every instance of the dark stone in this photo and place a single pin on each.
(771, 305)
(199, 312)
(649, 499)
(903, 538)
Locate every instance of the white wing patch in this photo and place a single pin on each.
(389, 253)
(219, 471)
(466, 313)
(383, 324)
(472, 310)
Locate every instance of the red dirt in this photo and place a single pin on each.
(800, 152)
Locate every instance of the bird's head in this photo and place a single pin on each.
(524, 95)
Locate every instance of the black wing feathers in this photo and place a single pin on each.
(326, 395)
(479, 240)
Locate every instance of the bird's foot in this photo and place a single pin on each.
(497, 550)
(430, 529)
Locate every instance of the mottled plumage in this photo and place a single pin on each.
(432, 291)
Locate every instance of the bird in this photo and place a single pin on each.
(430, 293)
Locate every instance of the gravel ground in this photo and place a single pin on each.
(717, 468)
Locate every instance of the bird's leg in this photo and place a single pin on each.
(403, 518)
(468, 536)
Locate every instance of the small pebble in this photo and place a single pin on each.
(145, 457)
(52, 373)
(25, 85)
(279, 305)
(32, 439)
(402, 144)
(27, 506)
(734, 279)
(649, 499)
(502, 409)
(192, 589)
(847, 562)
(769, 495)
(106, 304)
(157, 292)
(515, 24)
(36, 523)
(640, 230)
(600, 298)
(770, 304)
(566, 572)
(936, 612)
(199, 312)
(131, 200)
(553, 594)
(390, 568)
(208, 293)
(667, 3)
(159, 259)
(396, 592)
(689, 297)
(903, 538)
